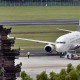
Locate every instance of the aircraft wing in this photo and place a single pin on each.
(38, 41)
(65, 30)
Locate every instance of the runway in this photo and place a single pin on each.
(40, 22)
(37, 64)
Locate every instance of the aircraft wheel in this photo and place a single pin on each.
(67, 56)
(60, 55)
(72, 56)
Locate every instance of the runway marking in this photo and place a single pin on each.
(45, 65)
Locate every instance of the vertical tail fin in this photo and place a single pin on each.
(79, 25)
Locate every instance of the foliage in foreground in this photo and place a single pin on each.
(24, 76)
(70, 73)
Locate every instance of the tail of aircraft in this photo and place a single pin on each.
(78, 26)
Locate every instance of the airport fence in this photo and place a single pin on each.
(39, 3)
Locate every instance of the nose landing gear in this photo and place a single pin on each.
(62, 54)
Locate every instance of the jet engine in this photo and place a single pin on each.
(49, 48)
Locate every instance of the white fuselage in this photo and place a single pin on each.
(67, 41)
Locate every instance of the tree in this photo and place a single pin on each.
(62, 74)
(78, 67)
(24, 76)
(69, 67)
(57, 76)
(28, 77)
(78, 70)
(52, 76)
(73, 75)
(68, 77)
(42, 76)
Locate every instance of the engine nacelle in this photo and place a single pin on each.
(49, 48)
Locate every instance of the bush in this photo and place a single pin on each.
(53, 76)
(73, 75)
(28, 78)
(69, 67)
(62, 74)
(78, 70)
(78, 67)
(42, 76)
(70, 73)
(68, 77)
(57, 76)
(24, 76)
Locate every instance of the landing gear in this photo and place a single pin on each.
(67, 56)
(62, 54)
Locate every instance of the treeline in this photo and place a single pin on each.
(70, 73)
(40, 0)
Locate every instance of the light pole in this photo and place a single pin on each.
(41, 2)
(46, 2)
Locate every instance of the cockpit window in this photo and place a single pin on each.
(61, 42)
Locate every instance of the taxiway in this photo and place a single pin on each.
(38, 63)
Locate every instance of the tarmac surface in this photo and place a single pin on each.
(36, 52)
(43, 62)
(35, 65)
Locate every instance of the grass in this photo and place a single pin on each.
(41, 28)
(37, 12)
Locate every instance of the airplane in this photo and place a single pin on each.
(63, 43)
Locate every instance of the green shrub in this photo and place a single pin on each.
(70, 73)
(78, 70)
(78, 67)
(62, 74)
(42, 76)
(68, 77)
(24, 76)
(69, 67)
(53, 76)
(73, 75)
